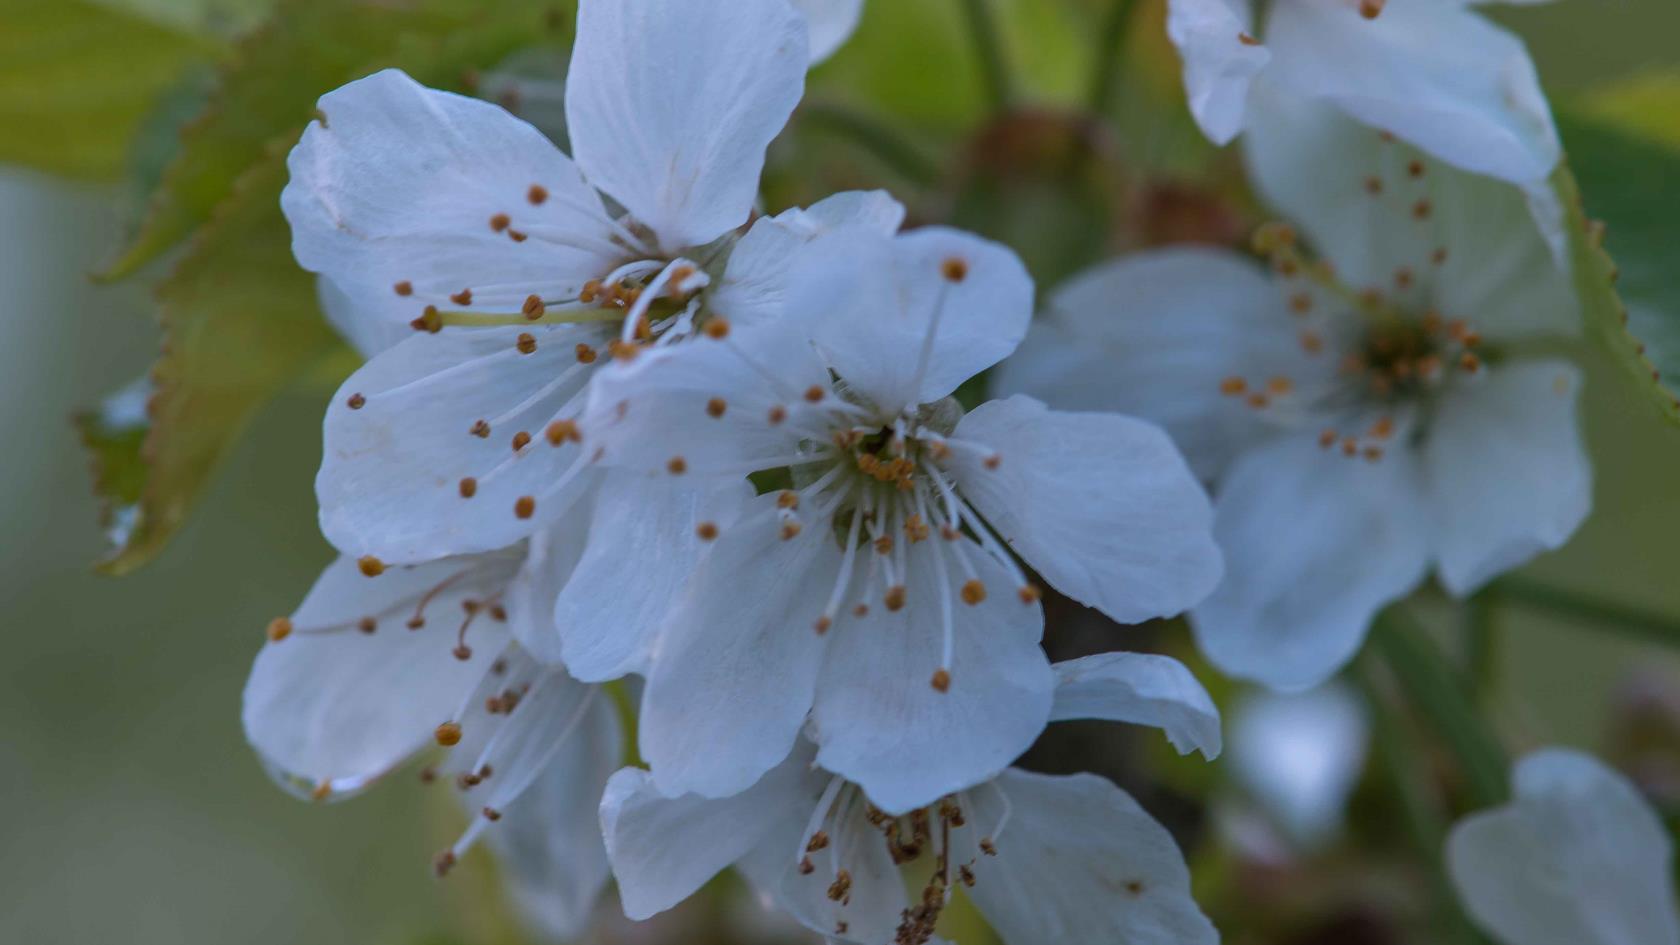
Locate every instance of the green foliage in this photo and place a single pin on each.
(267, 92)
(77, 79)
(240, 319)
(1624, 156)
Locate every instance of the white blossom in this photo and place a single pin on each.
(1576, 858)
(1367, 417)
(875, 589)
(1048, 860)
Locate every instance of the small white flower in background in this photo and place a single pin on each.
(875, 588)
(371, 672)
(1048, 860)
(1435, 72)
(424, 208)
(1366, 417)
(1299, 755)
(1577, 858)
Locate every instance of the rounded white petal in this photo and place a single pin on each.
(764, 264)
(870, 304)
(1143, 689)
(831, 23)
(1471, 244)
(396, 185)
(1506, 472)
(1080, 862)
(736, 667)
(1221, 60)
(368, 336)
(878, 719)
(644, 546)
(664, 848)
(1154, 334)
(1578, 858)
(1103, 506)
(400, 439)
(1431, 71)
(1300, 755)
(1315, 544)
(549, 839)
(331, 703)
(671, 104)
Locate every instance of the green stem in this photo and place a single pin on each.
(1482, 643)
(1422, 814)
(1111, 41)
(988, 47)
(1632, 622)
(1437, 691)
(892, 148)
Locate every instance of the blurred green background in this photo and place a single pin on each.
(134, 812)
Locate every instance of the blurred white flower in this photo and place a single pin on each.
(1435, 72)
(1299, 756)
(1577, 858)
(426, 208)
(371, 672)
(876, 590)
(1367, 417)
(1048, 860)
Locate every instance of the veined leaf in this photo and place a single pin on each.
(267, 93)
(1627, 175)
(78, 78)
(240, 323)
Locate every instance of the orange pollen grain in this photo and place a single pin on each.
(480, 429)
(992, 461)
(279, 629)
(562, 430)
(941, 680)
(537, 194)
(954, 269)
(448, 734)
(469, 487)
(1029, 594)
(1371, 9)
(621, 350)
(973, 592)
(814, 393)
(715, 407)
(717, 328)
(1280, 385)
(404, 288)
(370, 566)
(677, 466)
(1328, 438)
(525, 506)
(463, 297)
(526, 343)
(787, 499)
(500, 222)
(894, 598)
(822, 624)
(1232, 386)
(1247, 40)
(1422, 209)
(521, 440)
(791, 530)
(778, 413)
(355, 402)
(585, 354)
(708, 531)
(533, 307)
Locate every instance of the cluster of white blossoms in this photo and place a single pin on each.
(626, 451)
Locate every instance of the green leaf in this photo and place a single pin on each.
(77, 79)
(240, 323)
(1626, 169)
(267, 92)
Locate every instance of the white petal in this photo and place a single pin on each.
(708, 402)
(390, 480)
(331, 703)
(1101, 505)
(831, 23)
(671, 105)
(1080, 862)
(1578, 858)
(871, 302)
(1498, 271)
(551, 558)
(1431, 71)
(1300, 755)
(1141, 688)
(880, 722)
(1315, 544)
(368, 336)
(549, 840)
(632, 575)
(1154, 333)
(398, 183)
(665, 848)
(762, 267)
(736, 667)
(1507, 473)
(1218, 65)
